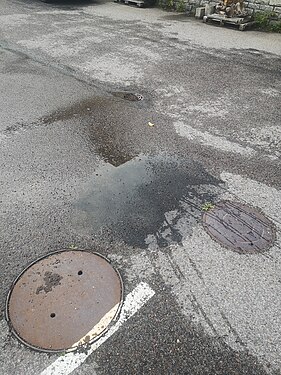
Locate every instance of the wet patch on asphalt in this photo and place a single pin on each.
(79, 109)
(150, 199)
(109, 124)
(90, 106)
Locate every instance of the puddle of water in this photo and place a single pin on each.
(98, 120)
(109, 152)
(148, 199)
(82, 108)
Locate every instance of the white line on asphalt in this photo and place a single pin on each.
(134, 301)
(215, 141)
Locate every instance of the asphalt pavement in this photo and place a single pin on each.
(84, 167)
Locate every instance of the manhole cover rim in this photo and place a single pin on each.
(250, 207)
(72, 349)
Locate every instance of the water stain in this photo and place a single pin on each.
(148, 199)
(79, 109)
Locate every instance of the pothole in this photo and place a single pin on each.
(239, 227)
(74, 311)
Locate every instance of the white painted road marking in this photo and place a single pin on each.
(99, 327)
(215, 141)
(134, 301)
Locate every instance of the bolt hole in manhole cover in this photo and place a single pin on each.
(64, 300)
(133, 97)
(240, 227)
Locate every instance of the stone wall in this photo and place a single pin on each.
(252, 6)
(264, 6)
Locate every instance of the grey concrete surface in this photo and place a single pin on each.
(81, 167)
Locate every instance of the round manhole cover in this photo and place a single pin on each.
(239, 227)
(64, 300)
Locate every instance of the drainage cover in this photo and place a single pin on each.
(239, 227)
(64, 300)
(128, 96)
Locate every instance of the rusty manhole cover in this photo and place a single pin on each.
(239, 227)
(64, 300)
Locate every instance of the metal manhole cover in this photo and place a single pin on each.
(64, 300)
(239, 227)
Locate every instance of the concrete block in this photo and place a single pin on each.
(267, 8)
(277, 10)
(209, 9)
(263, 2)
(250, 11)
(275, 2)
(200, 12)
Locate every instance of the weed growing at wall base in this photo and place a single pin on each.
(267, 21)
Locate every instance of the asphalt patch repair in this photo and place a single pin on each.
(64, 301)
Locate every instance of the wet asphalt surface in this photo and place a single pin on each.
(81, 168)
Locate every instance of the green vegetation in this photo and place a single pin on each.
(173, 5)
(166, 4)
(207, 206)
(73, 247)
(267, 21)
(169, 4)
(180, 7)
